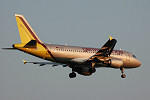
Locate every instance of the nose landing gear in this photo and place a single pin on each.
(122, 71)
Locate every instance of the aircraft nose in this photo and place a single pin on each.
(138, 63)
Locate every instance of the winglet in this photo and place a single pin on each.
(24, 61)
(110, 38)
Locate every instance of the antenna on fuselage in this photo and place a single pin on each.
(66, 44)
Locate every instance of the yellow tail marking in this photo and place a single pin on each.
(25, 30)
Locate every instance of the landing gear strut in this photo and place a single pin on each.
(122, 71)
(92, 70)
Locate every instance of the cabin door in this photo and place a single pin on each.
(127, 56)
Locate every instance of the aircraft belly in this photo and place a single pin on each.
(63, 60)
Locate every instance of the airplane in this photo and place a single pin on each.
(82, 60)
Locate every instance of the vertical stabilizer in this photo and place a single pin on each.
(26, 32)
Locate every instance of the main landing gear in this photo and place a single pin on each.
(92, 69)
(122, 71)
(72, 75)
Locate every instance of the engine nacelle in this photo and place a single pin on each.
(83, 71)
(116, 62)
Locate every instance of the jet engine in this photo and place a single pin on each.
(116, 63)
(83, 71)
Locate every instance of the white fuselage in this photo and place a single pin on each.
(74, 54)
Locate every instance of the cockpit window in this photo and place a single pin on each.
(134, 56)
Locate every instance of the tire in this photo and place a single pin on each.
(123, 76)
(72, 75)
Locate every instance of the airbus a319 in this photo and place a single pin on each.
(82, 60)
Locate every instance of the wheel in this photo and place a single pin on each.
(92, 70)
(123, 76)
(72, 75)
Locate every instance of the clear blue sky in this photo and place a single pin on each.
(80, 23)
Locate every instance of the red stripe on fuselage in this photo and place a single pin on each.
(49, 52)
(29, 29)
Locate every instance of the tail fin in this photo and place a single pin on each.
(26, 32)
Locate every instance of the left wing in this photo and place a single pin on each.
(44, 63)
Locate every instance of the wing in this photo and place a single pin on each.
(45, 63)
(105, 51)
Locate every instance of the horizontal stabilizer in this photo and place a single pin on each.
(9, 48)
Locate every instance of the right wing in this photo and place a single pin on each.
(44, 63)
(105, 51)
